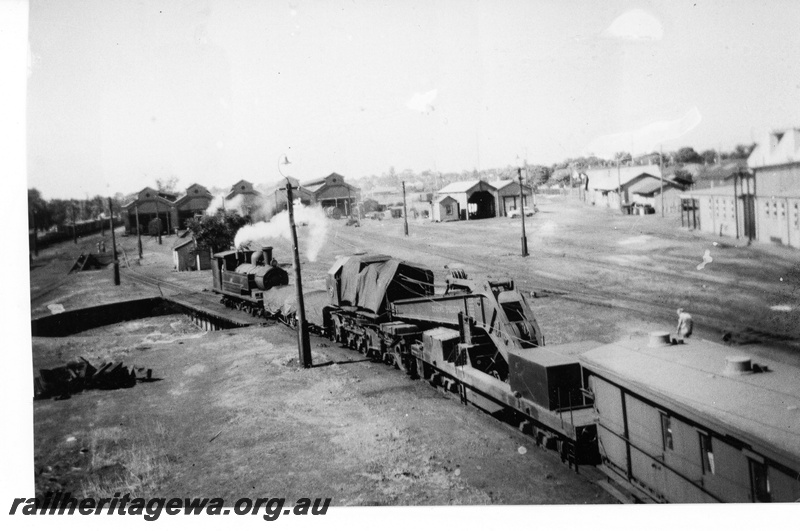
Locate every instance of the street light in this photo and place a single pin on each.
(522, 213)
(303, 343)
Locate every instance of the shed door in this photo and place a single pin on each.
(749, 216)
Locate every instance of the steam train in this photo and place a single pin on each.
(670, 420)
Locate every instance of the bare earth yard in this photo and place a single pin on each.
(233, 415)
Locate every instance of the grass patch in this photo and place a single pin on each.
(123, 461)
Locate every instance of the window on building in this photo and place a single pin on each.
(775, 209)
(666, 431)
(797, 215)
(448, 209)
(783, 210)
(707, 454)
(766, 208)
(759, 482)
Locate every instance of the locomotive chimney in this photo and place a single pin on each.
(267, 254)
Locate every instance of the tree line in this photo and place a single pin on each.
(539, 174)
(44, 214)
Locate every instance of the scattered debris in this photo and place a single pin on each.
(55, 308)
(91, 261)
(62, 382)
(706, 260)
(522, 450)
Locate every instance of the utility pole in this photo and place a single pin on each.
(303, 342)
(522, 212)
(138, 233)
(619, 186)
(533, 191)
(661, 172)
(158, 217)
(736, 201)
(405, 215)
(113, 242)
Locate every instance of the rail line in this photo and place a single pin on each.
(588, 295)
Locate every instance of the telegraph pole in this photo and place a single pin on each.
(113, 242)
(405, 215)
(619, 186)
(303, 342)
(661, 171)
(158, 217)
(522, 213)
(138, 233)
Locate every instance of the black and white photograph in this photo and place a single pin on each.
(291, 258)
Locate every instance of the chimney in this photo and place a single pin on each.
(267, 254)
(737, 365)
(659, 339)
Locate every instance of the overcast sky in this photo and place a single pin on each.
(121, 93)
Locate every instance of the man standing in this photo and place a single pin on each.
(685, 324)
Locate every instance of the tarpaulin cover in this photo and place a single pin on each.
(283, 300)
(369, 288)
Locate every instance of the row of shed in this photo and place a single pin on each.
(480, 199)
(174, 210)
(761, 204)
(758, 199)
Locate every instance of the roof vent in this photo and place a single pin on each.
(738, 365)
(658, 339)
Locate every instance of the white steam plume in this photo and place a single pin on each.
(278, 227)
(219, 201)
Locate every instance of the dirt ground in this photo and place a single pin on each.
(232, 414)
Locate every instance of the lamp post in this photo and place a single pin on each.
(303, 343)
(522, 213)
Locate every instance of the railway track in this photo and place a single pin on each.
(719, 324)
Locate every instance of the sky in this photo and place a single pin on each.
(121, 93)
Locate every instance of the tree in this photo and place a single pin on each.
(683, 177)
(622, 156)
(686, 155)
(370, 205)
(38, 211)
(167, 185)
(709, 156)
(217, 232)
(743, 151)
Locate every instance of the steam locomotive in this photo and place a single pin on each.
(672, 421)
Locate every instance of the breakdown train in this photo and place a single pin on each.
(671, 421)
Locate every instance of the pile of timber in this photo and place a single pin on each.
(75, 376)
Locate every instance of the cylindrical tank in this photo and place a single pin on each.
(263, 277)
